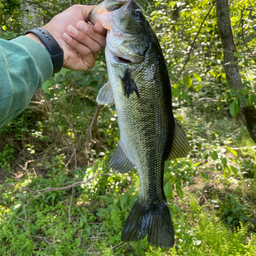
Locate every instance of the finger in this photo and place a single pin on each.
(88, 55)
(83, 41)
(89, 31)
(98, 28)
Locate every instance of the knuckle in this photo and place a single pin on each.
(74, 43)
(87, 52)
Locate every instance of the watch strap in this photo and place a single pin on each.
(51, 46)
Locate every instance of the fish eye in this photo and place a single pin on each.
(137, 13)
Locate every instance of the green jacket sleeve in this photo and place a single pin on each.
(24, 66)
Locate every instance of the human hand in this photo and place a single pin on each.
(80, 41)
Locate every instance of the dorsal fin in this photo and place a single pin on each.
(180, 146)
(105, 95)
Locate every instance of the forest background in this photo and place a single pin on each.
(58, 195)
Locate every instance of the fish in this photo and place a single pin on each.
(140, 88)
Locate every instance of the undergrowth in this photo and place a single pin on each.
(82, 212)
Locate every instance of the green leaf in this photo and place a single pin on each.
(205, 175)
(232, 151)
(214, 155)
(234, 108)
(219, 167)
(103, 226)
(197, 77)
(46, 86)
(124, 200)
(253, 99)
(104, 197)
(229, 219)
(16, 207)
(88, 230)
(224, 162)
(233, 92)
(219, 102)
(233, 169)
(83, 218)
(245, 100)
(197, 164)
(179, 191)
(239, 56)
(168, 189)
(187, 81)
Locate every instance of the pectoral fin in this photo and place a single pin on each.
(105, 95)
(119, 162)
(129, 85)
(180, 146)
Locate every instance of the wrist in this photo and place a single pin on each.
(35, 38)
(50, 44)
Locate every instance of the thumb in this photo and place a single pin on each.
(85, 10)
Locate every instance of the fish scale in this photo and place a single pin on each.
(140, 88)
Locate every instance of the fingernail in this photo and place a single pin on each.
(67, 37)
(73, 31)
(82, 26)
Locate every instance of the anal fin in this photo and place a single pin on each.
(180, 146)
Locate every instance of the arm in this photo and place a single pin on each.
(25, 64)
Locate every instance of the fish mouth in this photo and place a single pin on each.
(124, 56)
(122, 60)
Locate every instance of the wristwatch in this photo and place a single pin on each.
(51, 46)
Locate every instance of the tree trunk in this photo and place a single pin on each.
(247, 114)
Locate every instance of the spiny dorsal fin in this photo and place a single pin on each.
(119, 162)
(180, 146)
(105, 95)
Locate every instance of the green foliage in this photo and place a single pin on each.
(58, 195)
(178, 174)
(193, 76)
(232, 212)
(6, 157)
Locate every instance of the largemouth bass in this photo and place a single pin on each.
(140, 88)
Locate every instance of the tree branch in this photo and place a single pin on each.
(40, 5)
(45, 190)
(193, 43)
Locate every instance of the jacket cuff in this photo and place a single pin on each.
(40, 55)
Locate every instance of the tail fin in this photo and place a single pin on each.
(152, 220)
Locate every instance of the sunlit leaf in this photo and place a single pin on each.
(234, 109)
(179, 191)
(197, 77)
(232, 151)
(187, 81)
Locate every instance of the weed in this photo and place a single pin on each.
(6, 157)
(232, 212)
